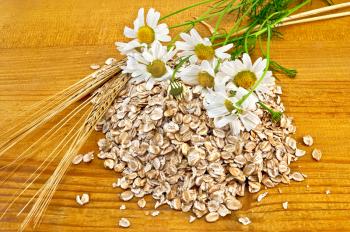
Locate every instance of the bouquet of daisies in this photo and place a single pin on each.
(231, 88)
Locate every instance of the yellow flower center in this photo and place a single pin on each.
(229, 105)
(205, 79)
(156, 68)
(145, 34)
(204, 52)
(245, 79)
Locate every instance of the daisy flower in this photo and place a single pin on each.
(223, 110)
(200, 48)
(224, 84)
(202, 75)
(245, 74)
(150, 65)
(144, 33)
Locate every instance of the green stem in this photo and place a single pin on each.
(275, 115)
(262, 30)
(178, 66)
(238, 22)
(265, 107)
(186, 8)
(193, 22)
(218, 22)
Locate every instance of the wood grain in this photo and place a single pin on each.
(47, 45)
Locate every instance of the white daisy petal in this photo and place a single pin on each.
(220, 52)
(164, 38)
(193, 59)
(129, 33)
(187, 38)
(224, 48)
(162, 29)
(247, 61)
(217, 112)
(223, 121)
(183, 45)
(152, 18)
(150, 83)
(249, 120)
(148, 56)
(141, 17)
(260, 66)
(206, 42)
(190, 79)
(250, 102)
(220, 83)
(127, 48)
(195, 35)
(236, 126)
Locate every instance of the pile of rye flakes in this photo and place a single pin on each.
(171, 150)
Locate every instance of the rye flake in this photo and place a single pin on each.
(170, 149)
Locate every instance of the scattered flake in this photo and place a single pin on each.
(95, 66)
(328, 191)
(122, 207)
(192, 219)
(299, 153)
(297, 176)
(279, 190)
(212, 217)
(123, 222)
(88, 157)
(244, 220)
(83, 199)
(316, 154)
(126, 196)
(155, 213)
(261, 196)
(308, 140)
(147, 213)
(109, 61)
(285, 205)
(141, 203)
(77, 159)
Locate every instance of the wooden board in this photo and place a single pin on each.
(47, 45)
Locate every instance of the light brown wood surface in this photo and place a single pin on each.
(47, 45)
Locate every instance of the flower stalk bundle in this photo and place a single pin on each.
(218, 68)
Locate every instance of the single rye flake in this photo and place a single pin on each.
(285, 205)
(261, 196)
(308, 140)
(244, 220)
(123, 222)
(83, 199)
(316, 154)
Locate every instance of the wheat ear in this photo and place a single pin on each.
(48, 108)
(104, 100)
